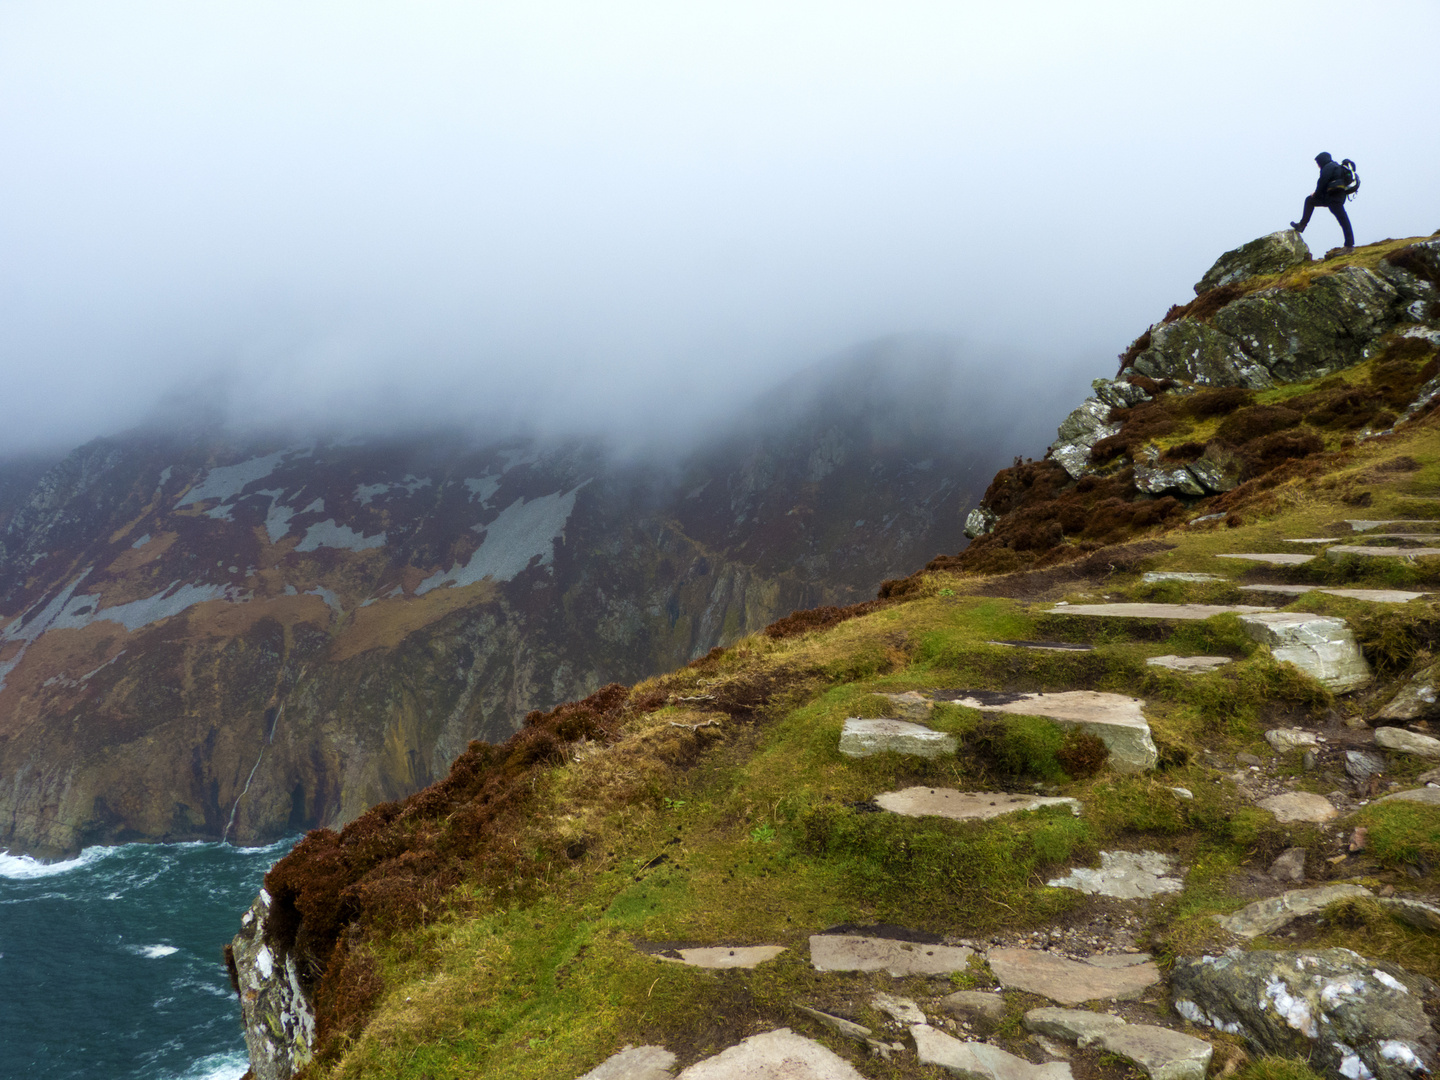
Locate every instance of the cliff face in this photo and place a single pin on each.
(207, 639)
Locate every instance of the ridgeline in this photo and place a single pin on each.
(1140, 782)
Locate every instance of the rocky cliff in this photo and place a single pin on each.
(1145, 792)
(204, 638)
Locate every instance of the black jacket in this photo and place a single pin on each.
(1330, 172)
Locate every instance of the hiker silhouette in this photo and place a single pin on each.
(1331, 173)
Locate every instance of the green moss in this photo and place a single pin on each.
(1402, 834)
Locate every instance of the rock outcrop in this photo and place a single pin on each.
(1268, 255)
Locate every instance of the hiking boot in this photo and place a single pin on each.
(1297, 226)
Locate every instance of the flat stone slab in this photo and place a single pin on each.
(1188, 664)
(853, 952)
(1162, 1053)
(1285, 739)
(1279, 558)
(965, 805)
(1374, 596)
(838, 1024)
(720, 957)
(774, 1055)
(1155, 611)
(978, 1060)
(1267, 916)
(1360, 525)
(1322, 646)
(1046, 646)
(1155, 577)
(974, 1003)
(1125, 875)
(1309, 540)
(1080, 1026)
(1299, 806)
(1116, 720)
(901, 1010)
(1427, 796)
(635, 1063)
(1379, 551)
(863, 738)
(1070, 982)
(1407, 742)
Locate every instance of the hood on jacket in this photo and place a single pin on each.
(1322, 159)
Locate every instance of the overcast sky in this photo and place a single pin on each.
(605, 213)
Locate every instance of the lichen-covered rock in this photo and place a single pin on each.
(1153, 480)
(1322, 646)
(1197, 352)
(275, 1013)
(1218, 474)
(1119, 393)
(1352, 1017)
(1266, 255)
(1416, 698)
(1080, 431)
(979, 522)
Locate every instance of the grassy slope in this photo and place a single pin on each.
(693, 822)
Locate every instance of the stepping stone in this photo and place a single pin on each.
(1299, 806)
(1416, 698)
(1367, 526)
(864, 738)
(965, 805)
(1407, 742)
(1321, 646)
(1046, 646)
(1339, 551)
(974, 1004)
(1155, 577)
(1275, 559)
(1267, 916)
(1427, 796)
(1162, 1053)
(1375, 596)
(978, 1060)
(1285, 739)
(838, 1024)
(1114, 719)
(1360, 765)
(1125, 875)
(901, 1010)
(1070, 982)
(775, 1055)
(1080, 1026)
(1155, 611)
(910, 705)
(720, 957)
(635, 1063)
(1309, 540)
(1414, 913)
(1188, 664)
(853, 952)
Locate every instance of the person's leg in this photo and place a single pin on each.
(1338, 209)
(1299, 226)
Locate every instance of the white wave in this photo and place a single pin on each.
(25, 867)
(153, 952)
(229, 1066)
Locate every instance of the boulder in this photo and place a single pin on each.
(1295, 806)
(1407, 742)
(979, 522)
(1219, 473)
(1081, 430)
(978, 1060)
(1269, 254)
(1322, 646)
(774, 1055)
(1267, 916)
(1348, 1016)
(1124, 875)
(1162, 1053)
(1416, 698)
(1156, 479)
(1283, 740)
(1070, 982)
(1199, 353)
(965, 805)
(856, 952)
(1360, 765)
(863, 738)
(1114, 719)
(635, 1063)
(1119, 393)
(1427, 796)
(1080, 1026)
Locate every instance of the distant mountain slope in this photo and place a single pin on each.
(203, 638)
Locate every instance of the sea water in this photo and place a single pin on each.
(112, 963)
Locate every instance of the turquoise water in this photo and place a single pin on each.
(112, 964)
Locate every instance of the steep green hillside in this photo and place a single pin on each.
(525, 917)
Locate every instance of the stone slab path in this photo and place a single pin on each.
(965, 805)
(1047, 646)
(1156, 611)
(863, 738)
(635, 1063)
(1071, 982)
(1379, 551)
(1360, 525)
(721, 957)
(1124, 875)
(1376, 596)
(775, 1055)
(1113, 718)
(1155, 577)
(1162, 1053)
(1322, 646)
(1276, 559)
(853, 952)
(978, 1060)
(1296, 806)
(1188, 664)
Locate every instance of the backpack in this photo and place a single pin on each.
(1347, 180)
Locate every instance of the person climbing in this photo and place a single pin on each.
(1330, 193)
